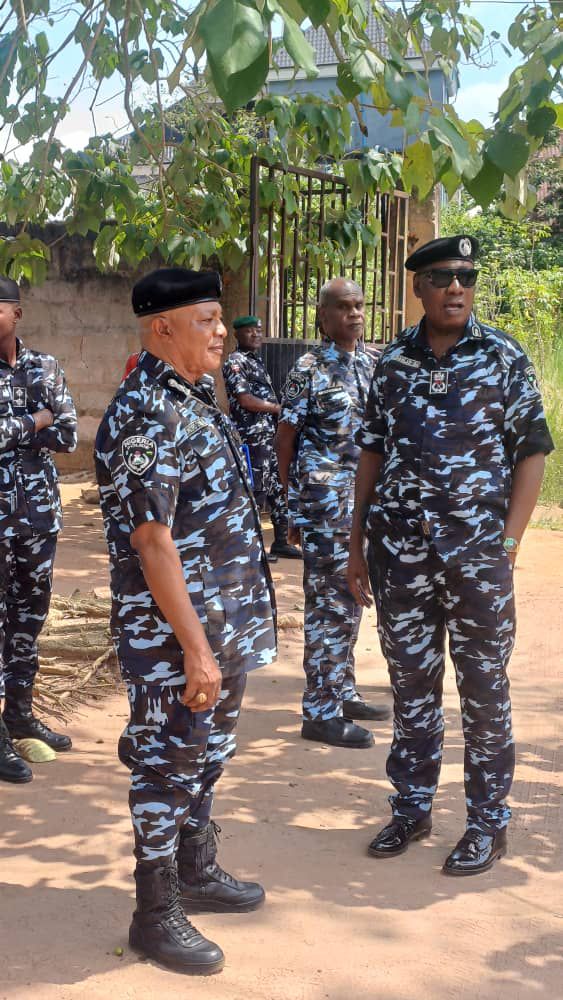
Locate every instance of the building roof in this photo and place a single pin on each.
(324, 54)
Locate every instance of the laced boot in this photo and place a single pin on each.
(160, 929)
(23, 724)
(281, 547)
(204, 886)
(12, 766)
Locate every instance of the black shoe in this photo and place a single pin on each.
(355, 708)
(12, 766)
(395, 838)
(285, 551)
(337, 732)
(23, 724)
(271, 558)
(160, 929)
(475, 852)
(204, 886)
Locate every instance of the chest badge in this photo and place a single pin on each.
(139, 453)
(19, 396)
(439, 382)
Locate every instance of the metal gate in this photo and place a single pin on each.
(285, 278)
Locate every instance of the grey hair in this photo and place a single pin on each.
(326, 290)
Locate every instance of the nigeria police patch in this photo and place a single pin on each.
(139, 453)
(532, 377)
(294, 386)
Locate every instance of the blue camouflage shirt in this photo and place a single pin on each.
(164, 452)
(29, 495)
(324, 399)
(245, 372)
(450, 432)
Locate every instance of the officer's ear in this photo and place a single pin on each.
(160, 327)
(416, 286)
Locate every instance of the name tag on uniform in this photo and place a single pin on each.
(195, 425)
(439, 382)
(19, 396)
(402, 359)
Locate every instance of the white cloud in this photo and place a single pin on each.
(480, 100)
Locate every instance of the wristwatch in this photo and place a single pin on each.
(510, 545)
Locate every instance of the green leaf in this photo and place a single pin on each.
(300, 50)
(346, 82)
(485, 186)
(237, 90)
(397, 87)
(508, 151)
(464, 159)
(235, 39)
(418, 169)
(541, 120)
(364, 67)
(316, 10)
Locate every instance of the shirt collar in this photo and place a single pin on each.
(333, 352)
(22, 355)
(473, 331)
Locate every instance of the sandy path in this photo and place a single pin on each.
(338, 925)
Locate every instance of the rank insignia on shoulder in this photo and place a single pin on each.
(174, 384)
(439, 382)
(476, 331)
(294, 386)
(530, 374)
(19, 396)
(139, 453)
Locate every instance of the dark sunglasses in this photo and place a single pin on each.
(442, 277)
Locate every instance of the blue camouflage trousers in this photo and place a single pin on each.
(176, 758)
(332, 623)
(418, 600)
(26, 576)
(268, 490)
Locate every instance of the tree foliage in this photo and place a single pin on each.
(217, 56)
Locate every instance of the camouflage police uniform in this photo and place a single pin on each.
(165, 452)
(245, 372)
(450, 432)
(324, 399)
(30, 510)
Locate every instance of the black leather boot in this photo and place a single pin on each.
(395, 838)
(23, 724)
(12, 766)
(281, 547)
(204, 886)
(337, 732)
(476, 852)
(160, 929)
(359, 710)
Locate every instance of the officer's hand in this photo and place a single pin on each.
(358, 579)
(42, 418)
(202, 677)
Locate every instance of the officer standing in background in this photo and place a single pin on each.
(254, 410)
(453, 444)
(192, 607)
(323, 403)
(37, 417)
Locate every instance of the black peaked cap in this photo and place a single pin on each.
(460, 247)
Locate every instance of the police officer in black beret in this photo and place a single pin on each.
(254, 409)
(453, 444)
(37, 417)
(192, 607)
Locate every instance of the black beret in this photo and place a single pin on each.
(172, 287)
(9, 291)
(242, 321)
(460, 247)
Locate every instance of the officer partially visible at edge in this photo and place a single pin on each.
(37, 417)
(453, 452)
(254, 409)
(322, 408)
(192, 607)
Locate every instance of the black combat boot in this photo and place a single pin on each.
(23, 724)
(12, 766)
(160, 929)
(204, 886)
(281, 547)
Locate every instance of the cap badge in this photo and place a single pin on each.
(465, 247)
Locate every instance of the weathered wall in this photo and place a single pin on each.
(424, 223)
(85, 320)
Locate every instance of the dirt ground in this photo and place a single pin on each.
(298, 816)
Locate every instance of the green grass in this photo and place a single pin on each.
(552, 392)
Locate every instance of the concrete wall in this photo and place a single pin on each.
(84, 319)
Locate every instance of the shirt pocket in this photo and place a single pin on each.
(214, 461)
(334, 404)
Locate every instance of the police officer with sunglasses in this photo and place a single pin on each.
(453, 444)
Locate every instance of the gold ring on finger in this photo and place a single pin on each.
(200, 698)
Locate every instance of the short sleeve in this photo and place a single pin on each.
(236, 381)
(371, 435)
(295, 398)
(144, 467)
(525, 427)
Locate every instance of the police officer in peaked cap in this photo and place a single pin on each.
(37, 417)
(192, 607)
(453, 451)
